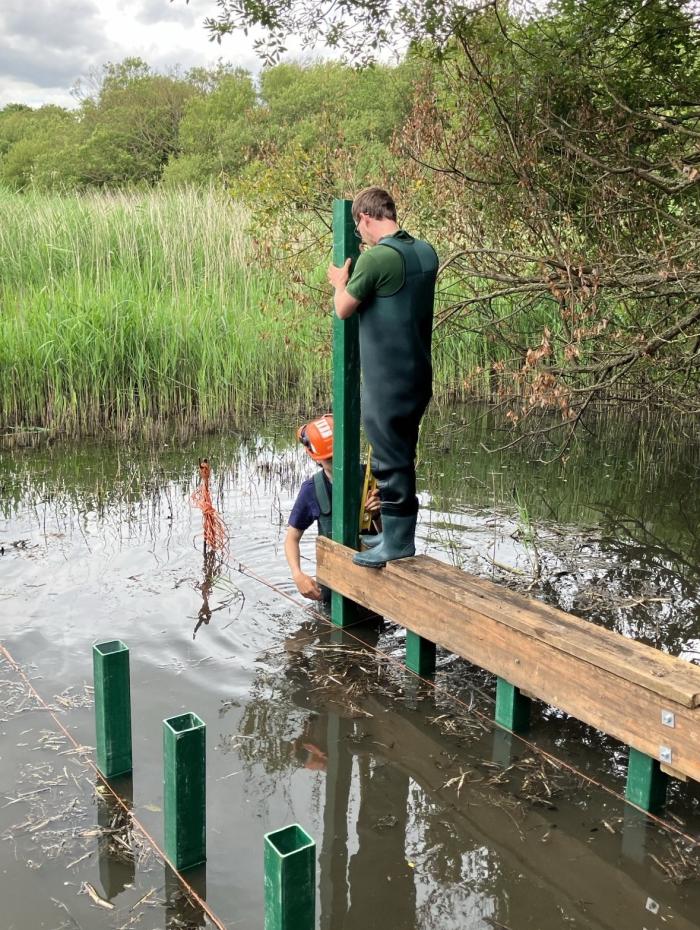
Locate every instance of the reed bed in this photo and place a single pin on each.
(118, 310)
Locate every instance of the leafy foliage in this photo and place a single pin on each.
(568, 154)
(554, 151)
(551, 151)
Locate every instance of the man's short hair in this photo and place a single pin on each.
(375, 202)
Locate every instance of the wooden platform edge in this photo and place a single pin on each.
(631, 712)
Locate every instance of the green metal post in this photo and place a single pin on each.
(512, 707)
(346, 411)
(290, 879)
(420, 655)
(110, 664)
(646, 783)
(184, 790)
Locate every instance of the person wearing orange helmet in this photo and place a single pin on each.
(314, 503)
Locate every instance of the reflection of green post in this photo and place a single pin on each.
(634, 834)
(184, 790)
(420, 654)
(346, 410)
(333, 861)
(117, 866)
(110, 663)
(502, 749)
(646, 783)
(512, 707)
(290, 880)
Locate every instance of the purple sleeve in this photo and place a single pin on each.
(305, 509)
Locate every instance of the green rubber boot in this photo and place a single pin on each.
(398, 542)
(370, 541)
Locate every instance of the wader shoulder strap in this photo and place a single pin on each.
(325, 525)
(419, 257)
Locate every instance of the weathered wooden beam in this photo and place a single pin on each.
(630, 691)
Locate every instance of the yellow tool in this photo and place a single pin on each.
(369, 485)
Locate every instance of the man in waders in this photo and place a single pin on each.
(393, 289)
(314, 503)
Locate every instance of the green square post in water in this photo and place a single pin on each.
(512, 707)
(646, 783)
(420, 655)
(290, 879)
(184, 790)
(110, 665)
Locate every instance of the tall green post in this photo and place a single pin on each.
(184, 790)
(346, 410)
(512, 707)
(646, 783)
(420, 655)
(110, 665)
(290, 879)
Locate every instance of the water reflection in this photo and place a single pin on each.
(212, 568)
(419, 825)
(419, 830)
(114, 845)
(612, 534)
(182, 911)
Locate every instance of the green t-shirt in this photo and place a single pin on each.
(378, 270)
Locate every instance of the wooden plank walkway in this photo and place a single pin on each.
(640, 696)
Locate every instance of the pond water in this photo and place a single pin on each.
(424, 815)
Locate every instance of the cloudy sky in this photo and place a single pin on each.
(47, 45)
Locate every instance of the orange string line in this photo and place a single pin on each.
(134, 819)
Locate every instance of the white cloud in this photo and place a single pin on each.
(47, 45)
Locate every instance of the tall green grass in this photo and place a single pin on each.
(121, 309)
(118, 308)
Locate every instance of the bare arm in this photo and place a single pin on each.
(305, 584)
(345, 304)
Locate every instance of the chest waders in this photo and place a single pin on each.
(397, 376)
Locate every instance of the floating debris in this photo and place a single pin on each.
(88, 889)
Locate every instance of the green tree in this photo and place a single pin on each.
(132, 124)
(327, 103)
(36, 146)
(569, 158)
(218, 133)
(556, 153)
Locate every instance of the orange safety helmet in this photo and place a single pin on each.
(317, 437)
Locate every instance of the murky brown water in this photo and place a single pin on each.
(423, 814)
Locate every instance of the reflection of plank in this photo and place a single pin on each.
(603, 890)
(610, 682)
